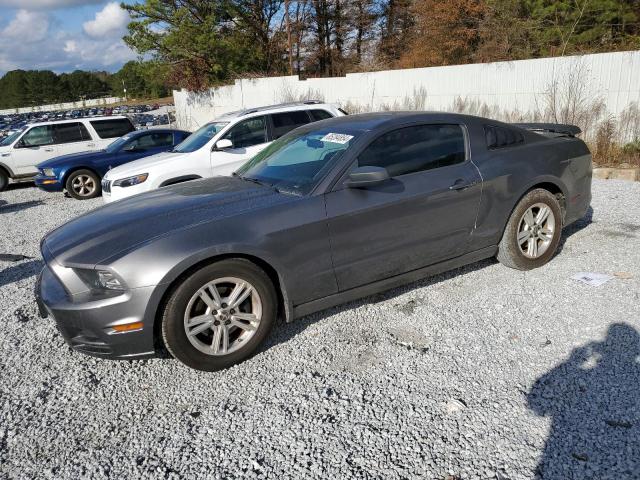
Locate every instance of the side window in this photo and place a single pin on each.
(247, 133)
(415, 149)
(70, 132)
(37, 137)
(287, 121)
(153, 140)
(116, 127)
(498, 137)
(319, 115)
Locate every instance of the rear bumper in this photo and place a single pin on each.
(48, 184)
(86, 321)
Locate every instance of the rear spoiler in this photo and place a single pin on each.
(560, 128)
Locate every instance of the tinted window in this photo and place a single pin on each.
(116, 127)
(153, 140)
(248, 132)
(414, 149)
(37, 136)
(319, 115)
(499, 137)
(287, 121)
(70, 132)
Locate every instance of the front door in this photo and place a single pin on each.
(248, 138)
(34, 147)
(424, 214)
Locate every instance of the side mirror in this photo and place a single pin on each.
(224, 144)
(363, 177)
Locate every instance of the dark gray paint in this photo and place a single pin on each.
(333, 245)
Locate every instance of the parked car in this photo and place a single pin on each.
(80, 173)
(328, 213)
(21, 152)
(218, 148)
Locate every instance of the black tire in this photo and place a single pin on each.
(173, 323)
(4, 180)
(510, 253)
(78, 193)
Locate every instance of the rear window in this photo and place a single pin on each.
(287, 121)
(112, 128)
(499, 137)
(319, 115)
(70, 132)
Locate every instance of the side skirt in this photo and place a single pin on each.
(392, 282)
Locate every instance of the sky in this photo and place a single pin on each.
(62, 35)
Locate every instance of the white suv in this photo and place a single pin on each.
(217, 148)
(23, 150)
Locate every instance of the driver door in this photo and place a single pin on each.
(248, 137)
(34, 147)
(422, 215)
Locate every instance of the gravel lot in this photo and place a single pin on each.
(483, 372)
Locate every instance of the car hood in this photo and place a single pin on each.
(122, 226)
(142, 165)
(71, 158)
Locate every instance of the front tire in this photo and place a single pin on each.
(219, 316)
(4, 180)
(83, 185)
(533, 231)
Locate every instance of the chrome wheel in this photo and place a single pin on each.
(83, 185)
(222, 316)
(536, 230)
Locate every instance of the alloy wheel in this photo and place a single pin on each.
(222, 316)
(83, 185)
(536, 230)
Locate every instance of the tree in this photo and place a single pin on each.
(444, 33)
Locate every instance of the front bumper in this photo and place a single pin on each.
(48, 184)
(86, 321)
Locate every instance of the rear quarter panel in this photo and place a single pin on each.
(509, 173)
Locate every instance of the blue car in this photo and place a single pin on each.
(80, 173)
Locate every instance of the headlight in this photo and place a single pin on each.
(48, 172)
(131, 181)
(100, 279)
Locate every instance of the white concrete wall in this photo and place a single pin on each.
(64, 106)
(518, 89)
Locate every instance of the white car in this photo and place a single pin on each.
(22, 151)
(217, 148)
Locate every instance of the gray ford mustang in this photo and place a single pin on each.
(330, 212)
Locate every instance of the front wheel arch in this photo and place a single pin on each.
(284, 306)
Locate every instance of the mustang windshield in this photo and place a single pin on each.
(200, 137)
(118, 144)
(298, 161)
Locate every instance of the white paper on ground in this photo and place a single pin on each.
(593, 279)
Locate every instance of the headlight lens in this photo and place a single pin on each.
(100, 279)
(131, 181)
(48, 172)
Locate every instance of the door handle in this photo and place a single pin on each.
(48, 149)
(460, 185)
(91, 144)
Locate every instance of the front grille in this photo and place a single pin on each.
(106, 186)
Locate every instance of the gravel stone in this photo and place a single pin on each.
(542, 372)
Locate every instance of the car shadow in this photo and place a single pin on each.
(17, 207)
(593, 401)
(575, 227)
(20, 271)
(283, 332)
(19, 186)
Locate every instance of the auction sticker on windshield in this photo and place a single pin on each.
(336, 138)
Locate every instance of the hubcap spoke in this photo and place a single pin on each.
(523, 236)
(245, 321)
(532, 247)
(201, 328)
(206, 295)
(546, 234)
(542, 215)
(528, 219)
(239, 294)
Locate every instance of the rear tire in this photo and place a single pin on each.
(533, 231)
(207, 328)
(4, 180)
(83, 185)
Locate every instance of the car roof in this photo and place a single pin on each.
(75, 120)
(372, 121)
(280, 107)
(137, 133)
